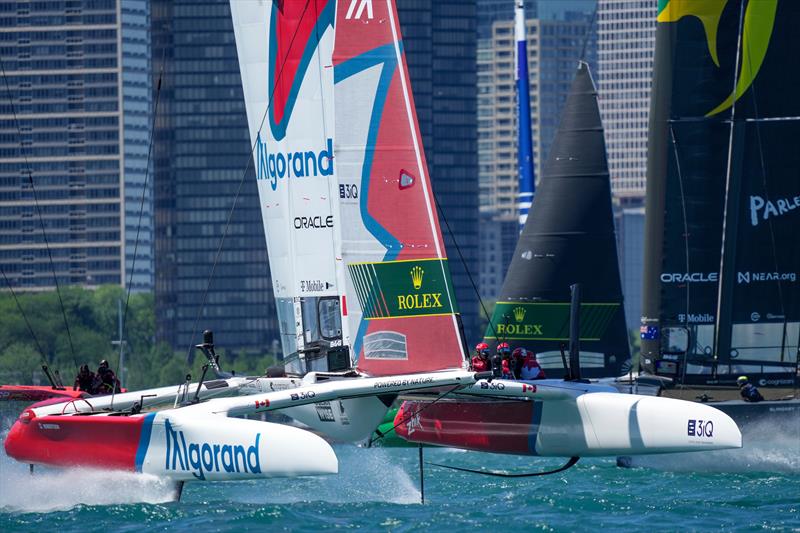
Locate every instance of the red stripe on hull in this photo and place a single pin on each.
(488, 426)
(97, 442)
(34, 393)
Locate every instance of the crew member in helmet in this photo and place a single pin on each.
(105, 381)
(748, 391)
(517, 359)
(84, 379)
(530, 367)
(504, 354)
(480, 362)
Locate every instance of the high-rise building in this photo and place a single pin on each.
(202, 151)
(554, 48)
(626, 44)
(78, 119)
(630, 239)
(439, 41)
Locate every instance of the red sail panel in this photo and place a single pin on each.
(391, 240)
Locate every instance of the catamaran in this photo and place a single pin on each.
(721, 294)
(362, 284)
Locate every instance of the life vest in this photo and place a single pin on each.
(479, 364)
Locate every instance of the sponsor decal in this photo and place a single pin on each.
(773, 382)
(200, 458)
(492, 385)
(261, 404)
(696, 318)
(755, 316)
(528, 389)
(414, 423)
(51, 427)
(402, 382)
(689, 277)
(396, 289)
(547, 321)
(324, 412)
(753, 277)
(358, 8)
(761, 209)
(302, 395)
(348, 191)
(314, 285)
(700, 428)
(313, 222)
(300, 164)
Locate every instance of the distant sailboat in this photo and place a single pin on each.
(569, 238)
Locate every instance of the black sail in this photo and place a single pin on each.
(723, 191)
(568, 238)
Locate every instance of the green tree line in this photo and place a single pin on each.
(92, 316)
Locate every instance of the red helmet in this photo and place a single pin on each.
(503, 347)
(519, 353)
(481, 346)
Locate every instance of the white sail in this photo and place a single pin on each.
(285, 53)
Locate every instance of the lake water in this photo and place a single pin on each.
(753, 489)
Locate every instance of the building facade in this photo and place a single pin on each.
(202, 152)
(554, 48)
(626, 44)
(74, 136)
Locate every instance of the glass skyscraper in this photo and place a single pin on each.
(80, 87)
(439, 40)
(202, 150)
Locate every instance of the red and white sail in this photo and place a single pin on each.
(355, 249)
(401, 307)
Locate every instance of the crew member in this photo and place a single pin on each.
(480, 363)
(105, 381)
(84, 379)
(517, 360)
(504, 354)
(748, 391)
(530, 367)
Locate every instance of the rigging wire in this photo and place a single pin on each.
(38, 211)
(142, 200)
(218, 253)
(24, 316)
(463, 261)
(124, 325)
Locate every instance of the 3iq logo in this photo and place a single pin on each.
(700, 428)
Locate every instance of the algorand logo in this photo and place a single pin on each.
(200, 458)
(300, 164)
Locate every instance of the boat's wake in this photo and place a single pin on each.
(365, 475)
(767, 447)
(58, 490)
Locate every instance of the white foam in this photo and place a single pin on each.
(57, 490)
(365, 475)
(767, 447)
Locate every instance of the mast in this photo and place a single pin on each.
(730, 220)
(527, 183)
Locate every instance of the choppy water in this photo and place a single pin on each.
(756, 488)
